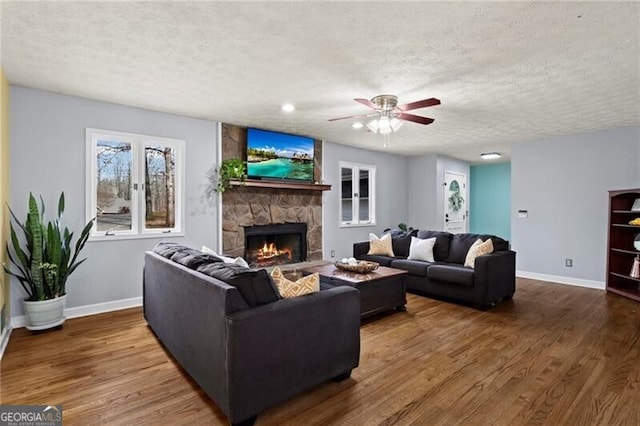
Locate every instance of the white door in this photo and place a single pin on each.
(455, 202)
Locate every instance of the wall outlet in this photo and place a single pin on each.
(568, 263)
(333, 253)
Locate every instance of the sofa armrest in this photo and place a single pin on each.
(278, 350)
(495, 276)
(360, 248)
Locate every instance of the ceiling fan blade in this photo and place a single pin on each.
(415, 118)
(368, 103)
(419, 104)
(354, 116)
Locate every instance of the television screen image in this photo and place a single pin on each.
(274, 155)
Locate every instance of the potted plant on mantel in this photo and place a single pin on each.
(233, 168)
(43, 266)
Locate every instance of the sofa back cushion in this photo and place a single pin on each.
(443, 243)
(192, 258)
(401, 241)
(254, 285)
(167, 249)
(461, 243)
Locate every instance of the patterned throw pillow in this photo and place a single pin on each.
(478, 249)
(380, 246)
(289, 289)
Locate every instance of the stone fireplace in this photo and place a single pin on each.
(244, 207)
(269, 245)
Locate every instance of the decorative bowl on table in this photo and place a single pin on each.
(362, 267)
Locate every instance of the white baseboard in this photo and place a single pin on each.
(562, 280)
(86, 310)
(4, 340)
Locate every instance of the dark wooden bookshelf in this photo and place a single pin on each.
(620, 249)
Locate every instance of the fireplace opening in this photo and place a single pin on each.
(269, 245)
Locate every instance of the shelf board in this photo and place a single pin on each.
(626, 251)
(625, 277)
(626, 292)
(626, 211)
(623, 225)
(282, 185)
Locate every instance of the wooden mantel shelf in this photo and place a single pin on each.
(281, 184)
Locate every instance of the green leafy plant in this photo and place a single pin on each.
(43, 266)
(403, 227)
(229, 169)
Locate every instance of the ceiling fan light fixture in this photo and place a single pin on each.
(395, 124)
(373, 126)
(490, 155)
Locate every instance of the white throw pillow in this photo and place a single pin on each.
(226, 259)
(422, 249)
(478, 249)
(380, 246)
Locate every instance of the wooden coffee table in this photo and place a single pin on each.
(380, 290)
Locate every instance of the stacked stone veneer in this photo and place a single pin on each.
(248, 206)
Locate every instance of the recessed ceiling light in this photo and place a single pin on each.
(490, 155)
(288, 108)
(357, 125)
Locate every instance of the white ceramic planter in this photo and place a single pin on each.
(45, 313)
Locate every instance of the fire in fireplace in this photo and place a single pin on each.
(269, 245)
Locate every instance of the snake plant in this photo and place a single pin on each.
(47, 259)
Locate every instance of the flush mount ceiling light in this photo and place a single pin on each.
(357, 125)
(288, 108)
(490, 155)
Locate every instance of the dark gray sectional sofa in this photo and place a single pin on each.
(247, 348)
(493, 278)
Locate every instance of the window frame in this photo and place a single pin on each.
(138, 144)
(355, 205)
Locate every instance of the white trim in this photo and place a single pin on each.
(4, 340)
(355, 199)
(138, 143)
(86, 310)
(218, 195)
(579, 282)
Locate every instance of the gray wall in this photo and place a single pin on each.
(48, 156)
(391, 196)
(563, 183)
(422, 192)
(426, 180)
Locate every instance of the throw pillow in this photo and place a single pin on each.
(380, 246)
(478, 249)
(226, 259)
(289, 289)
(254, 285)
(422, 249)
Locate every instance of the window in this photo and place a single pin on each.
(357, 194)
(134, 184)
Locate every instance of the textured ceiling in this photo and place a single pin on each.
(504, 71)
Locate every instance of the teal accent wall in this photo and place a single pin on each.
(490, 206)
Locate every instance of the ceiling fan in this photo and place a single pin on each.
(389, 113)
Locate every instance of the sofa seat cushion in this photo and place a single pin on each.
(382, 260)
(413, 267)
(451, 274)
(254, 285)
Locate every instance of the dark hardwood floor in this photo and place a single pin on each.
(554, 355)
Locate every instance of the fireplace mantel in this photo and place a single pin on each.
(281, 184)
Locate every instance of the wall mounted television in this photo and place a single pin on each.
(281, 156)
